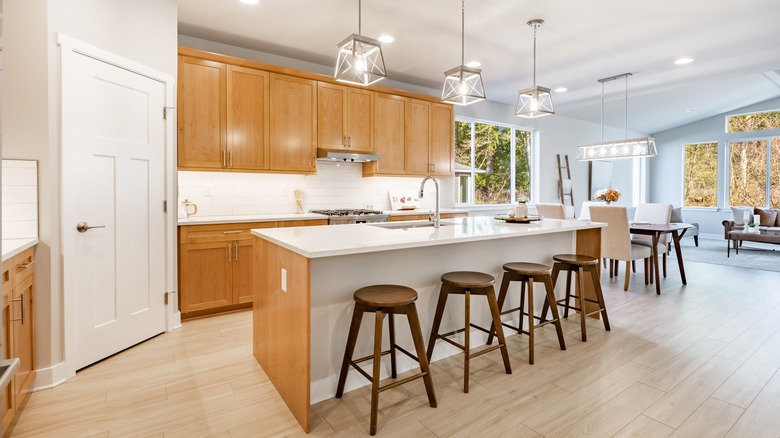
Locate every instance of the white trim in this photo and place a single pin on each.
(68, 47)
(46, 378)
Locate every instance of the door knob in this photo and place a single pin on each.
(83, 227)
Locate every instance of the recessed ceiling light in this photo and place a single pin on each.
(386, 39)
(561, 90)
(690, 110)
(250, 2)
(683, 61)
(474, 64)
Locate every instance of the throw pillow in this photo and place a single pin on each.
(739, 215)
(768, 217)
(676, 216)
(777, 221)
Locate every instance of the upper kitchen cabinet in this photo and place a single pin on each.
(344, 117)
(429, 149)
(390, 119)
(202, 118)
(247, 119)
(442, 142)
(293, 124)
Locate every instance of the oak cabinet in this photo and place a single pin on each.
(18, 323)
(390, 119)
(442, 139)
(247, 119)
(293, 123)
(430, 147)
(344, 117)
(201, 115)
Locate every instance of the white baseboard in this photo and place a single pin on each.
(174, 321)
(50, 377)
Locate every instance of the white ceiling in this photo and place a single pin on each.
(735, 45)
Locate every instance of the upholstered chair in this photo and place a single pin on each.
(551, 211)
(616, 239)
(585, 210)
(657, 214)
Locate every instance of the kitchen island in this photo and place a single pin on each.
(305, 278)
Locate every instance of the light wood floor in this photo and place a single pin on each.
(697, 361)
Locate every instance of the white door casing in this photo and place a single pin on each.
(113, 175)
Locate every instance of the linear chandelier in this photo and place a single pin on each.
(617, 149)
(535, 101)
(360, 60)
(462, 84)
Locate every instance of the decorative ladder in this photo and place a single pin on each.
(565, 191)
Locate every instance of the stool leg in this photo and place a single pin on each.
(600, 297)
(530, 320)
(391, 323)
(522, 305)
(568, 292)
(354, 328)
(467, 343)
(581, 294)
(437, 320)
(491, 297)
(548, 285)
(414, 327)
(505, 280)
(555, 271)
(377, 369)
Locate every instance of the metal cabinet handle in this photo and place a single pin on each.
(232, 232)
(224, 160)
(344, 143)
(24, 265)
(236, 258)
(230, 154)
(349, 142)
(83, 227)
(230, 254)
(22, 302)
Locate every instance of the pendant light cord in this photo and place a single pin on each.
(360, 17)
(602, 112)
(626, 107)
(535, 27)
(462, 32)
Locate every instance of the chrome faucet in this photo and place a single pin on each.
(437, 217)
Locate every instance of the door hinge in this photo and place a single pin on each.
(165, 111)
(166, 298)
(165, 206)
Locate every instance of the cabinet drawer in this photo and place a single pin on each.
(7, 276)
(220, 233)
(23, 266)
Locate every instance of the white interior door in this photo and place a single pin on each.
(113, 181)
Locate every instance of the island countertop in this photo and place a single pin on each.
(328, 241)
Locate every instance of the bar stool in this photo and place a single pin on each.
(385, 299)
(579, 264)
(528, 273)
(468, 283)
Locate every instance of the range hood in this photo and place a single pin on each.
(346, 155)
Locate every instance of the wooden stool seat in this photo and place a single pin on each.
(468, 283)
(576, 259)
(468, 279)
(524, 268)
(580, 265)
(385, 299)
(527, 274)
(385, 295)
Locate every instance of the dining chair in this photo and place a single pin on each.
(551, 211)
(658, 214)
(585, 209)
(616, 239)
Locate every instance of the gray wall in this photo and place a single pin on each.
(666, 169)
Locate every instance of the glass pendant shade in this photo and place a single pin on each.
(463, 86)
(534, 102)
(613, 150)
(360, 61)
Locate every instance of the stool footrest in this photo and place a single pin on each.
(485, 350)
(369, 357)
(402, 381)
(365, 374)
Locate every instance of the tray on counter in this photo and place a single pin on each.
(518, 220)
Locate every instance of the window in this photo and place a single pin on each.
(700, 177)
(753, 122)
(492, 163)
(749, 162)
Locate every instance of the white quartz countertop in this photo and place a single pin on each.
(336, 240)
(202, 220)
(12, 247)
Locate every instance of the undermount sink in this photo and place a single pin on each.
(407, 225)
(7, 369)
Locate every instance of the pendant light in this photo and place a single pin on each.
(612, 150)
(360, 59)
(535, 101)
(462, 84)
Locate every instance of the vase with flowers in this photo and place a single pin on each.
(606, 195)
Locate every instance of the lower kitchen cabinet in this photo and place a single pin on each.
(216, 271)
(18, 329)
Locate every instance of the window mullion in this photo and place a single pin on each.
(472, 180)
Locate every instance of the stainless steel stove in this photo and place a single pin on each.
(353, 216)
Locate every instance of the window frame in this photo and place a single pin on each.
(767, 166)
(729, 116)
(532, 168)
(717, 179)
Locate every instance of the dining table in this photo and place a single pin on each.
(677, 230)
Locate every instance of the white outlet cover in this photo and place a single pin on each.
(284, 280)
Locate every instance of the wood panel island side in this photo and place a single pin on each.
(305, 278)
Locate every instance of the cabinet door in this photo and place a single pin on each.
(331, 116)
(201, 114)
(243, 271)
(22, 313)
(293, 123)
(247, 118)
(359, 120)
(442, 143)
(8, 410)
(205, 273)
(390, 133)
(418, 146)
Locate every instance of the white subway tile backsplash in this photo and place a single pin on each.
(20, 199)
